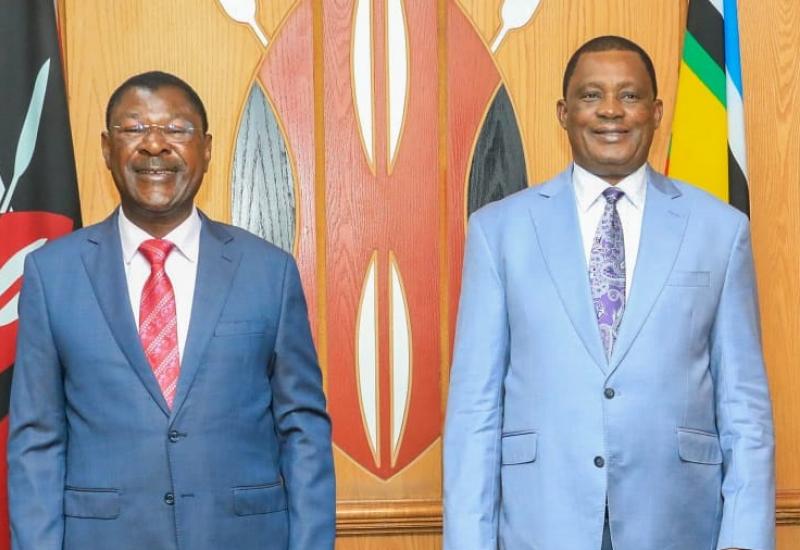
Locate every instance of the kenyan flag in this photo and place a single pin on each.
(38, 186)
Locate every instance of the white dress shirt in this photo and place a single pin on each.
(591, 203)
(181, 266)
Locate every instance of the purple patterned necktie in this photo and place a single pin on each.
(607, 270)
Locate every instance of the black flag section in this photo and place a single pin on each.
(28, 40)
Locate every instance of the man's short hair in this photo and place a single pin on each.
(155, 80)
(609, 43)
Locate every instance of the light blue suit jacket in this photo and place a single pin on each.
(686, 436)
(96, 458)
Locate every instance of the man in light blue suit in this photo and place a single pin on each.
(607, 387)
(166, 393)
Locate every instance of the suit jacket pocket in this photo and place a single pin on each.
(699, 446)
(259, 499)
(240, 328)
(91, 503)
(518, 447)
(689, 278)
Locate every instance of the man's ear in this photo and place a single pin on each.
(561, 112)
(206, 152)
(658, 112)
(105, 146)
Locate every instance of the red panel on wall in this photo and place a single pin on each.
(287, 74)
(472, 78)
(385, 255)
(381, 213)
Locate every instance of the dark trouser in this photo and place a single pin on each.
(606, 535)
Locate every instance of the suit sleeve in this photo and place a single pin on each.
(474, 406)
(37, 426)
(744, 412)
(303, 426)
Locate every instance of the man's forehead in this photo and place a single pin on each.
(616, 67)
(610, 80)
(163, 100)
(592, 61)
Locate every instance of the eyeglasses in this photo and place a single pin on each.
(172, 132)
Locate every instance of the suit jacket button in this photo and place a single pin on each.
(609, 393)
(169, 499)
(174, 436)
(599, 462)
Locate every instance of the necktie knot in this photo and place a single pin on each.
(156, 251)
(612, 195)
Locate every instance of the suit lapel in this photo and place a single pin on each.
(558, 233)
(103, 261)
(216, 267)
(663, 227)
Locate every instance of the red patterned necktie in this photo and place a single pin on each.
(158, 320)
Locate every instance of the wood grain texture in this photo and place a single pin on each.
(263, 200)
(472, 79)
(445, 334)
(388, 517)
(788, 508)
(390, 542)
(287, 75)
(272, 13)
(485, 15)
(106, 42)
(498, 162)
(788, 537)
(394, 212)
(532, 61)
(770, 43)
(421, 480)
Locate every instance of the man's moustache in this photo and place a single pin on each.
(156, 166)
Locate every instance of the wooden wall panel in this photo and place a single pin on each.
(788, 537)
(391, 542)
(532, 61)
(771, 62)
(105, 42)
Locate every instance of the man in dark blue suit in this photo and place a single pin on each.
(166, 393)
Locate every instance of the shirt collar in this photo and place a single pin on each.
(185, 237)
(589, 187)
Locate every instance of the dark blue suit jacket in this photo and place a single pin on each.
(97, 459)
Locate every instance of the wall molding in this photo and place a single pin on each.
(388, 517)
(787, 508)
(392, 517)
